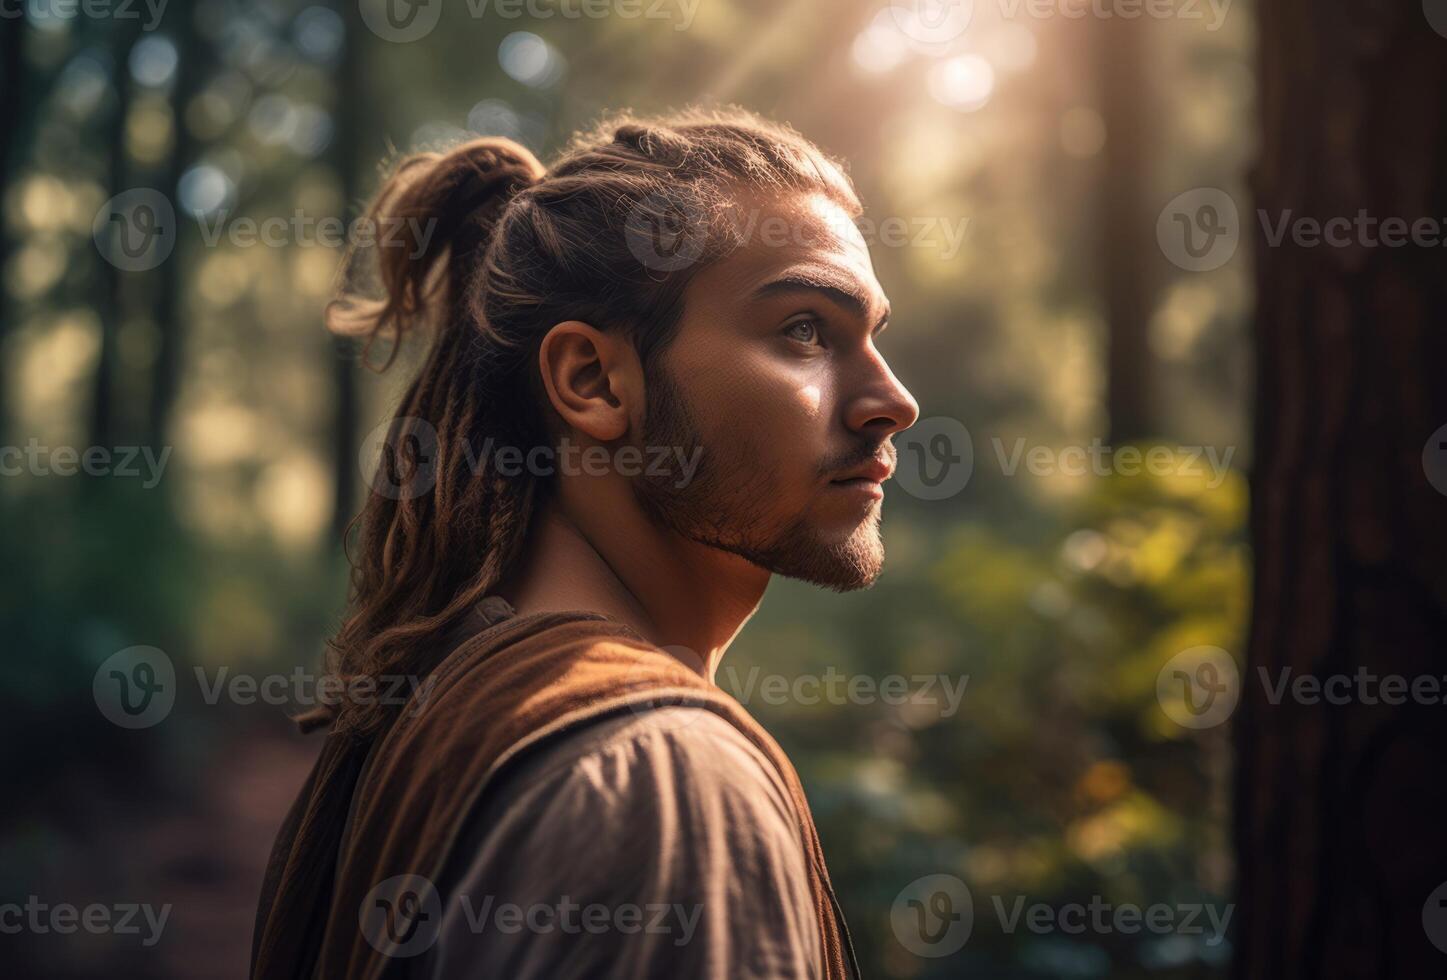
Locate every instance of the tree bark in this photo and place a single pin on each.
(1341, 821)
(345, 150)
(111, 282)
(12, 79)
(1128, 251)
(170, 303)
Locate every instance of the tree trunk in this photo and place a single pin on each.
(170, 301)
(1342, 808)
(110, 283)
(345, 151)
(12, 77)
(1128, 251)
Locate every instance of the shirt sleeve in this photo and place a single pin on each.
(656, 844)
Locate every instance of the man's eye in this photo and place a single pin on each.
(804, 331)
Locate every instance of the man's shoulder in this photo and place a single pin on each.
(627, 792)
(548, 688)
(633, 756)
(499, 685)
(667, 808)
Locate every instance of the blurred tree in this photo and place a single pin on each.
(111, 282)
(12, 66)
(1127, 244)
(192, 54)
(346, 151)
(1340, 808)
(12, 77)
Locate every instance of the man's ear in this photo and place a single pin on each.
(593, 379)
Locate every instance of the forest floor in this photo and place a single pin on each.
(200, 849)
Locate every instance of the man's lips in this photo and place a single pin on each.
(867, 477)
(876, 471)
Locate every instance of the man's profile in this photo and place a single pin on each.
(652, 384)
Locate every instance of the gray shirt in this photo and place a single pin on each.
(654, 844)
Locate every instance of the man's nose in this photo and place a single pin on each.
(882, 406)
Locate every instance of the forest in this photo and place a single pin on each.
(1171, 444)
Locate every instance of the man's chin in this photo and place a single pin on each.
(841, 565)
(836, 574)
(840, 553)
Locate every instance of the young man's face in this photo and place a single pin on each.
(774, 374)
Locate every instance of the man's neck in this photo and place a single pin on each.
(603, 555)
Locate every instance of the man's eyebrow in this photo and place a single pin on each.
(844, 290)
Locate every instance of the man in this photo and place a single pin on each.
(653, 385)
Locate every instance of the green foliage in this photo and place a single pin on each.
(1059, 778)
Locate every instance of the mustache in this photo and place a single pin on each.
(859, 455)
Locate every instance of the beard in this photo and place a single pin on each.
(725, 504)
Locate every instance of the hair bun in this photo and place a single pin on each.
(433, 204)
(459, 194)
(482, 172)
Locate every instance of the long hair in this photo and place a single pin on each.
(487, 249)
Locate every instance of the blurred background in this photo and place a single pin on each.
(1050, 136)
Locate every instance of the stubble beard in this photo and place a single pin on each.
(724, 506)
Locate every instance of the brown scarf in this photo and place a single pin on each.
(501, 694)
